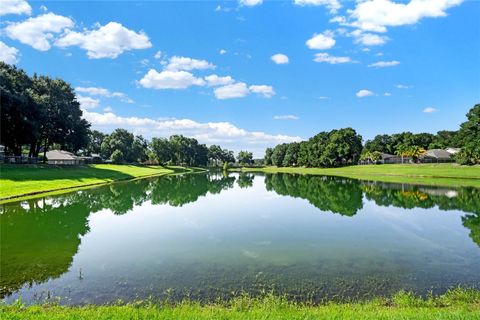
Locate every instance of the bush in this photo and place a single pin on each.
(469, 155)
(117, 156)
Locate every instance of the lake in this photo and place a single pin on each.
(211, 236)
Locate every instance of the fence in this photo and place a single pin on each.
(19, 160)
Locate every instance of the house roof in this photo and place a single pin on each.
(387, 155)
(60, 155)
(438, 153)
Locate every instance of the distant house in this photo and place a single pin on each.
(453, 150)
(438, 154)
(60, 157)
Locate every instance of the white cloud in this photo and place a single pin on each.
(286, 117)
(222, 51)
(43, 8)
(368, 39)
(332, 5)
(377, 15)
(383, 64)
(250, 3)
(108, 41)
(37, 32)
(403, 86)
(184, 63)
(325, 57)
(387, 94)
(224, 133)
(158, 55)
(87, 102)
(429, 110)
(8, 54)
(279, 58)
(321, 41)
(266, 91)
(236, 90)
(213, 80)
(170, 80)
(364, 93)
(95, 91)
(15, 7)
(323, 98)
(108, 109)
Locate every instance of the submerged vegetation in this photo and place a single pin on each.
(455, 304)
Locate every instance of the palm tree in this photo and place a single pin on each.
(403, 151)
(416, 152)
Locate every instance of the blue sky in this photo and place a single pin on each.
(251, 74)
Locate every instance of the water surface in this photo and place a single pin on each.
(210, 236)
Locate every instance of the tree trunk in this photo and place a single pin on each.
(45, 151)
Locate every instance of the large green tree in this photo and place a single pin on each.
(469, 135)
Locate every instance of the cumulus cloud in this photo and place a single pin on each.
(223, 133)
(222, 51)
(8, 54)
(403, 86)
(368, 39)
(37, 32)
(108, 41)
(236, 90)
(170, 80)
(158, 55)
(321, 41)
(383, 64)
(387, 94)
(286, 117)
(15, 7)
(377, 15)
(266, 91)
(250, 3)
(96, 91)
(87, 102)
(332, 5)
(213, 80)
(184, 63)
(429, 110)
(325, 57)
(279, 58)
(364, 93)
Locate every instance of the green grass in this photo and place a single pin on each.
(455, 304)
(430, 174)
(22, 181)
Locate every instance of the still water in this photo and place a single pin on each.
(211, 236)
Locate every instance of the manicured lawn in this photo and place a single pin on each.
(20, 180)
(431, 174)
(457, 304)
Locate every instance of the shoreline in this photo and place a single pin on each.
(162, 171)
(454, 304)
(412, 174)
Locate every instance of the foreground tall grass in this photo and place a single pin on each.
(455, 304)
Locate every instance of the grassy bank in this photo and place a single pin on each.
(21, 181)
(429, 174)
(455, 304)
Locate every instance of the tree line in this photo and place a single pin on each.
(344, 146)
(122, 146)
(39, 112)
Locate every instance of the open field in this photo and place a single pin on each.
(20, 181)
(429, 174)
(456, 304)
